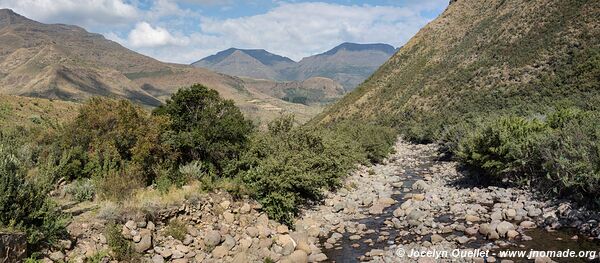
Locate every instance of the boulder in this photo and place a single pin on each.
(212, 238)
(145, 242)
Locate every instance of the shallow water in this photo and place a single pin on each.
(542, 240)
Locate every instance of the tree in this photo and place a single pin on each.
(205, 127)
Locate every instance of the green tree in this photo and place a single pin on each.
(205, 127)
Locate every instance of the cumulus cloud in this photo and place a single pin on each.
(144, 35)
(83, 13)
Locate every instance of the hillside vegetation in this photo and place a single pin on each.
(489, 79)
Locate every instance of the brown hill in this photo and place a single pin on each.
(68, 63)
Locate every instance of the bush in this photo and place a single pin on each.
(82, 190)
(122, 249)
(24, 205)
(374, 141)
(176, 229)
(205, 127)
(560, 153)
(287, 167)
(110, 136)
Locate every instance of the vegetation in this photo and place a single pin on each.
(121, 248)
(205, 127)
(24, 204)
(176, 229)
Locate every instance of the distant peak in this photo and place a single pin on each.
(361, 47)
(261, 55)
(8, 16)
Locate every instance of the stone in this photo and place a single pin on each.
(471, 231)
(282, 229)
(354, 237)
(158, 259)
(527, 224)
(376, 209)
(245, 209)
(212, 238)
(406, 204)
(220, 252)
(485, 229)
(298, 256)
(252, 231)
(496, 216)
(225, 204)
(180, 260)
(462, 240)
(131, 225)
(493, 235)
(164, 252)
(503, 227)
(418, 197)
(534, 212)
(471, 218)
(319, 257)
(510, 213)
(183, 249)
(399, 212)
(386, 201)
(435, 238)
(512, 234)
(229, 217)
(151, 226)
(241, 258)
(287, 244)
(145, 241)
(57, 256)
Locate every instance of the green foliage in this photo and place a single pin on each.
(122, 248)
(205, 127)
(374, 140)
(560, 154)
(24, 205)
(176, 229)
(288, 166)
(82, 190)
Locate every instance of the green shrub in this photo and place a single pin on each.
(205, 127)
(24, 205)
(560, 154)
(122, 248)
(112, 135)
(176, 229)
(375, 141)
(118, 185)
(287, 167)
(82, 190)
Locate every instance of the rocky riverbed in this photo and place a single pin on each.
(416, 202)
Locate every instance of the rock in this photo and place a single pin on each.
(177, 254)
(164, 252)
(496, 216)
(398, 212)
(151, 226)
(354, 237)
(252, 231)
(212, 238)
(406, 204)
(493, 235)
(57, 256)
(416, 215)
(282, 229)
(504, 227)
(241, 258)
(298, 256)
(180, 260)
(420, 185)
(338, 207)
(376, 209)
(485, 229)
(145, 241)
(317, 257)
(511, 234)
(158, 259)
(183, 249)
(220, 252)
(245, 209)
(225, 204)
(471, 231)
(287, 244)
(462, 240)
(131, 225)
(471, 218)
(229, 217)
(435, 238)
(510, 213)
(418, 197)
(527, 224)
(534, 212)
(386, 201)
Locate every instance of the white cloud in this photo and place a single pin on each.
(297, 30)
(83, 13)
(144, 35)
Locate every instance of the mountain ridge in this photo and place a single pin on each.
(347, 63)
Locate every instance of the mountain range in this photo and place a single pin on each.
(66, 62)
(349, 64)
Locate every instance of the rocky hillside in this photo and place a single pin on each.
(315, 90)
(482, 58)
(348, 64)
(66, 62)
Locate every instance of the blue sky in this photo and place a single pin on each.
(184, 31)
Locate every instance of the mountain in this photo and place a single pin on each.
(66, 62)
(483, 58)
(252, 63)
(348, 64)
